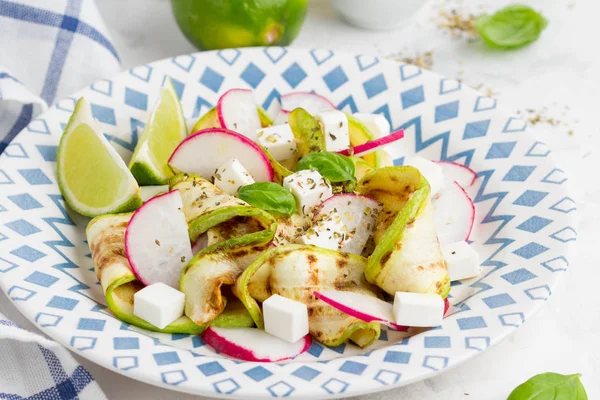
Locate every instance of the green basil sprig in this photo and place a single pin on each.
(332, 166)
(550, 386)
(270, 197)
(511, 27)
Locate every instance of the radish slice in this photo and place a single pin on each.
(446, 307)
(255, 345)
(364, 307)
(206, 150)
(358, 214)
(455, 172)
(453, 214)
(156, 240)
(236, 110)
(373, 145)
(281, 118)
(313, 103)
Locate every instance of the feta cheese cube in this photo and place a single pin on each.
(376, 123)
(284, 318)
(418, 309)
(334, 125)
(158, 304)
(430, 170)
(231, 176)
(278, 140)
(328, 232)
(462, 260)
(309, 188)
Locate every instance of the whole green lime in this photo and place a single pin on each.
(219, 24)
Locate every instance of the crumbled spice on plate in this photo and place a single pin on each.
(458, 24)
(421, 60)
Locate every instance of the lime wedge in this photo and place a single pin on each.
(92, 177)
(165, 129)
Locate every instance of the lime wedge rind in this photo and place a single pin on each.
(130, 198)
(147, 167)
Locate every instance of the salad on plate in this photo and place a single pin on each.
(265, 232)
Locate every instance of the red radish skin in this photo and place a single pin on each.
(217, 339)
(373, 145)
(454, 214)
(239, 101)
(141, 271)
(446, 307)
(384, 314)
(455, 172)
(186, 158)
(313, 103)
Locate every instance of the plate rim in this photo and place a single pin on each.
(139, 374)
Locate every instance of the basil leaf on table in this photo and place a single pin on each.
(333, 167)
(511, 27)
(270, 197)
(550, 386)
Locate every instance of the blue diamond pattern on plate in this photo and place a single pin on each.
(63, 303)
(335, 78)
(126, 343)
(211, 368)
(375, 85)
(136, 99)
(294, 75)
(528, 221)
(211, 79)
(446, 111)
(476, 129)
(306, 373)
(412, 97)
(47, 152)
(83, 342)
(35, 176)
(23, 227)
(252, 75)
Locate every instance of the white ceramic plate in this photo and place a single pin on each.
(523, 227)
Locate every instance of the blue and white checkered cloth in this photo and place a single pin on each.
(48, 49)
(33, 367)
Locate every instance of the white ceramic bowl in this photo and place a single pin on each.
(377, 14)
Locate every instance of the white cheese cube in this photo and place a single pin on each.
(418, 309)
(284, 318)
(158, 304)
(430, 170)
(329, 232)
(334, 125)
(278, 140)
(462, 261)
(376, 123)
(148, 192)
(231, 176)
(309, 188)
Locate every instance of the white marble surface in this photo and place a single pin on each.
(560, 70)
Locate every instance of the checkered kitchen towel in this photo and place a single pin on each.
(33, 367)
(48, 49)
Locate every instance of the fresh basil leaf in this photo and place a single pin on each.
(511, 27)
(550, 386)
(332, 166)
(270, 197)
